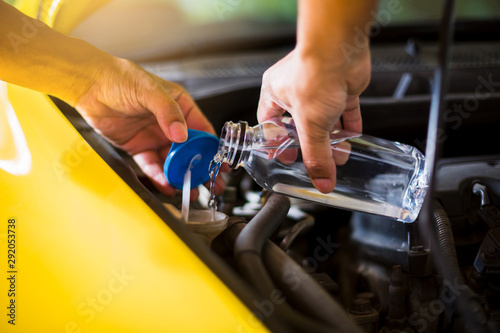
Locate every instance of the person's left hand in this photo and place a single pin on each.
(142, 114)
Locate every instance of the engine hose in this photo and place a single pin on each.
(298, 228)
(446, 241)
(249, 241)
(248, 247)
(303, 291)
(468, 302)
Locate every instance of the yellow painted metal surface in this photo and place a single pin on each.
(79, 250)
(89, 255)
(62, 15)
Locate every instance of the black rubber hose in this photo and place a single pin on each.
(297, 229)
(273, 305)
(249, 243)
(446, 241)
(303, 292)
(468, 302)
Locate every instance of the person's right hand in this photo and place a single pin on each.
(316, 91)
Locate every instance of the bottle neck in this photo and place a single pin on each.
(235, 143)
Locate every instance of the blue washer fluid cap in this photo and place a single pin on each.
(181, 154)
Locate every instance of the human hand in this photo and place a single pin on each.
(316, 91)
(142, 114)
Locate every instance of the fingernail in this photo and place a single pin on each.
(178, 131)
(323, 185)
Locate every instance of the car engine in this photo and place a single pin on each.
(313, 268)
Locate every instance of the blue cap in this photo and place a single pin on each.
(181, 154)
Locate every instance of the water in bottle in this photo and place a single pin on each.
(374, 175)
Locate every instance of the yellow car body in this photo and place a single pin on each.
(81, 250)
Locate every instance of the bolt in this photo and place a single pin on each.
(361, 306)
(396, 294)
(417, 248)
(490, 253)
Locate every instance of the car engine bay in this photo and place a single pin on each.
(312, 268)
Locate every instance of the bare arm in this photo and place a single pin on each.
(135, 110)
(29, 50)
(321, 79)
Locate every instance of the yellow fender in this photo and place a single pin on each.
(81, 251)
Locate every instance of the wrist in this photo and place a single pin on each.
(340, 48)
(91, 90)
(353, 74)
(333, 59)
(90, 64)
(46, 60)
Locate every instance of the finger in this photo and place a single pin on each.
(351, 117)
(316, 153)
(193, 194)
(195, 118)
(219, 185)
(166, 110)
(149, 138)
(268, 108)
(341, 152)
(163, 152)
(225, 168)
(152, 166)
(338, 125)
(286, 156)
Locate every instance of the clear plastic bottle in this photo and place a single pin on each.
(374, 175)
